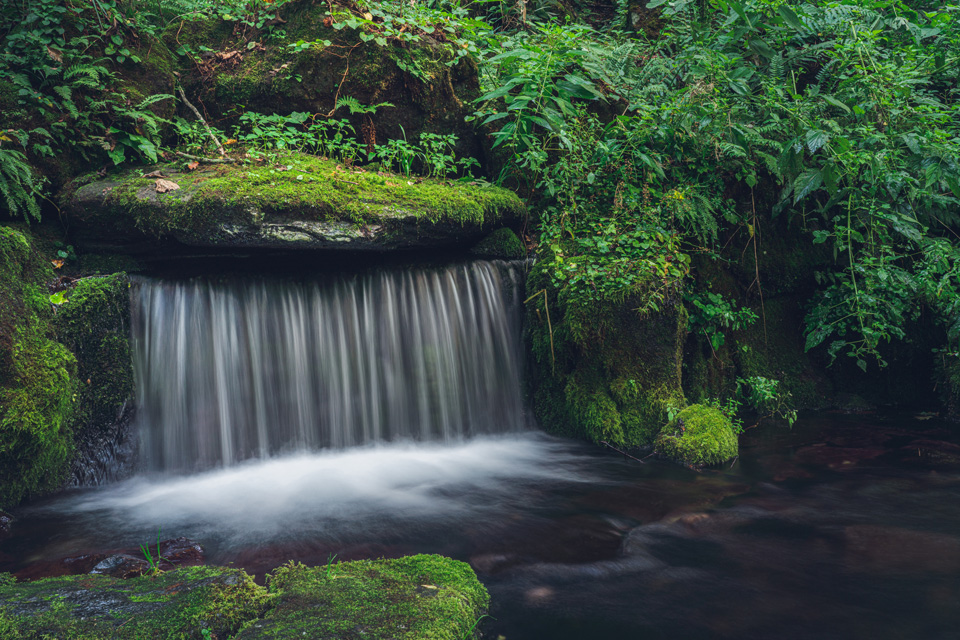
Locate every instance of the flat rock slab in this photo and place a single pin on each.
(411, 598)
(299, 202)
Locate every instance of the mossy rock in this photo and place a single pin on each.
(181, 604)
(431, 87)
(37, 376)
(94, 323)
(502, 243)
(604, 373)
(305, 202)
(698, 436)
(422, 597)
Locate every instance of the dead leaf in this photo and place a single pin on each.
(230, 141)
(154, 174)
(57, 263)
(56, 56)
(193, 165)
(166, 185)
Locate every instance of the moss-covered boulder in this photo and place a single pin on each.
(421, 597)
(417, 67)
(37, 376)
(502, 243)
(603, 371)
(305, 202)
(94, 323)
(698, 436)
(188, 603)
(414, 598)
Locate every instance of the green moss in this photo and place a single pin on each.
(420, 597)
(313, 189)
(179, 604)
(94, 323)
(502, 243)
(605, 373)
(415, 598)
(37, 377)
(698, 436)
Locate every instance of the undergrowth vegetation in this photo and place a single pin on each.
(847, 111)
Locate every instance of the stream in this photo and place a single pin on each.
(843, 527)
(382, 414)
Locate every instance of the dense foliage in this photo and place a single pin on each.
(642, 149)
(847, 111)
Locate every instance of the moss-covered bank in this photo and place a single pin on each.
(179, 604)
(698, 436)
(604, 373)
(37, 376)
(305, 202)
(65, 371)
(414, 598)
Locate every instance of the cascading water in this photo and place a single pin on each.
(229, 370)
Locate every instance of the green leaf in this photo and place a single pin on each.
(790, 17)
(806, 183)
(816, 139)
(836, 103)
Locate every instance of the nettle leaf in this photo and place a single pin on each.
(806, 183)
(816, 139)
(912, 142)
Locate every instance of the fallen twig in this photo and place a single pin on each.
(623, 453)
(223, 160)
(183, 96)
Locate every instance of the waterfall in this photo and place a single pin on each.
(228, 370)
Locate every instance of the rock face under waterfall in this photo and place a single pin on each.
(307, 203)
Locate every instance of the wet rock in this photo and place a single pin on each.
(166, 555)
(493, 563)
(882, 549)
(121, 565)
(6, 522)
(852, 403)
(836, 457)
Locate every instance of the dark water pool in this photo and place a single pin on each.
(843, 527)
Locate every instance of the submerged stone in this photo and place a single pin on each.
(305, 202)
(698, 436)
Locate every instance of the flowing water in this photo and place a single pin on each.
(238, 369)
(843, 527)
